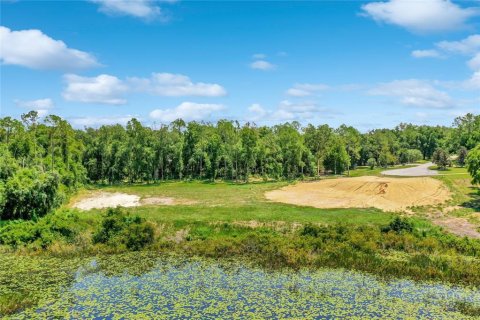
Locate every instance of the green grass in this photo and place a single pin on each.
(450, 170)
(217, 202)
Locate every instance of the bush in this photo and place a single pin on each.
(399, 225)
(60, 225)
(29, 194)
(119, 228)
(372, 163)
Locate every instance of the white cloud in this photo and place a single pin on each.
(81, 122)
(426, 54)
(188, 111)
(105, 89)
(467, 46)
(257, 112)
(306, 89)
(145, 9)
(474, 63)
(176, 85)
(34, 49)
(474, 81)
(421, 16)
(288, 111)
(262, 65)
(415, 93)
(46, 103)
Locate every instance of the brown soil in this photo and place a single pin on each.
(458, 226)
(385, 193)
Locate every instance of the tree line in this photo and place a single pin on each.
(45, 159)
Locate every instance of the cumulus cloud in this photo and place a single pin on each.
(34, 49)
(469, 45)
(188, 111)
(146, 9)
(257, 112)
(263, 65)
(474, 63)
(80, 122)
(414, 92)
(289, 111)
(426, 54)
(421, 16)
(306, 89)
(104, 89)
(46, 103)
(474, 81)
(176, 85)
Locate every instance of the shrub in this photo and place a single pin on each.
(29, 194)
(58, 225)
(399, 225)
(138, 235)
(119, 228)
(372, 163)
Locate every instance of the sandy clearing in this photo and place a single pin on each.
(418, 171)
(101, 200)
(107, 200)
(385, 193)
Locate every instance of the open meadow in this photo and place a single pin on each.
(171, 159)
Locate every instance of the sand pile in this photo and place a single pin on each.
(386, 193)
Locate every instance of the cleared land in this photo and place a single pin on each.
(101, 200)
(385, 193)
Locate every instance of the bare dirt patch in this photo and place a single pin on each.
(101, 200)
(458, 226)
(385, 193)
(107, 200)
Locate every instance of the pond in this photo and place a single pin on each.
(145, 286)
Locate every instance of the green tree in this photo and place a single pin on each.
(473, 164)
(462, 156)
(440, 158)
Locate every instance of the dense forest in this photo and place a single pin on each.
(42, 161)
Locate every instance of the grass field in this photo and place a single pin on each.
(228, 202)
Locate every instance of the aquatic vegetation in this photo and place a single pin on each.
(141, 284)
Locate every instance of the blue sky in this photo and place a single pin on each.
(367, 64)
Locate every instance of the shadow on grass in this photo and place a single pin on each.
(474, 202)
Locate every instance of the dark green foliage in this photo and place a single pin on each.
(29, 194)
(55, 226)
(371, 163)
(473, 164)
(467, 308)
(440, 158)
(138, 235)
(399, 225)
(462, 156)
(119, 228)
